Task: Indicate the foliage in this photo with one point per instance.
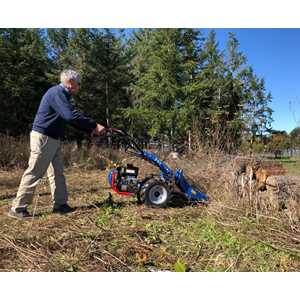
(185, 82)
(295, 138)
(257, 114)
(279, 141)
(101, 59)
(157, 84)
(23, 67)
(179, 266)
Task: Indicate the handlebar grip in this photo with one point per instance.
(115, 130)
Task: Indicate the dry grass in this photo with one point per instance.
(234, 233)
(14, 154)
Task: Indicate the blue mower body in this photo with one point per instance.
(157, 190)
(190, 192)
(167, 175)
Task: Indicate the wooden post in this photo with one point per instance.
(108, 123)
(189, 137)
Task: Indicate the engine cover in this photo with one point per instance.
(128, 170)
(124, 180)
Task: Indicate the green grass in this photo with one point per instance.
(292, 165)
(204, 245)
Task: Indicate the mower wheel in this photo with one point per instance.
(154, 193)
(177, 199)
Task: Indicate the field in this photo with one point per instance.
(115, 234)
(292, 165)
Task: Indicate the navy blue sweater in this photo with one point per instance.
(55, 111)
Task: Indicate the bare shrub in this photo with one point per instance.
(89, 156)
(240, 184)
(14, 152)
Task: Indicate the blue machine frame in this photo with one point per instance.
(167, 174)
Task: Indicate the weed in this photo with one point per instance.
(179, 266)
(106, 214)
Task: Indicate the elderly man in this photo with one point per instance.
(54, 112)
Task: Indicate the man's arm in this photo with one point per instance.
(66, 111)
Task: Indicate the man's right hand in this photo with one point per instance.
(99, 129)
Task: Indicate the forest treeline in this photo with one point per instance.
(172, 86)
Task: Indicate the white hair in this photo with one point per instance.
(67, 75)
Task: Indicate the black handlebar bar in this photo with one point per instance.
(128, 140)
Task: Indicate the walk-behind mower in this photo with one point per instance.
(157, 190)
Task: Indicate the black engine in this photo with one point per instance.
(126, 179)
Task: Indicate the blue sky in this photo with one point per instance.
(274, 55)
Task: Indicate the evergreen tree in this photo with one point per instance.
(192, 60)
(161, 83)
(210, 83)
(257, 114)
(233, 92)
(23, 66)
(101, 60)
(157, 86)
(164, 64)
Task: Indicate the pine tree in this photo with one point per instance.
(156, 87)
(24, 63)
(164, 65)
(210, 84)
(161, 83)
(257, 114)
(192, 59)
(100, 58)
(233, 94)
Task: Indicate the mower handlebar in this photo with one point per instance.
(127, 139)
(115, 130)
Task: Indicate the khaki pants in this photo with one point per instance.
(45, 155)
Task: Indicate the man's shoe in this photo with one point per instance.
(63, 209)
(21, 214)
